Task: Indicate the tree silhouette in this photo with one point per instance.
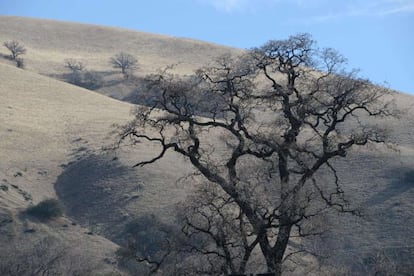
(277, 119)
(125, 62)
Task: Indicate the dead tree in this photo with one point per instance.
(288, 108)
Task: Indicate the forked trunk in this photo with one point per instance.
(274, 255)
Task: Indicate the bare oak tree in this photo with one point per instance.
(124, 61)
(16, 49)
(277, 120)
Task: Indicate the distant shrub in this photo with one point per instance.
(18, 174)
(46, 209)
(74, 65)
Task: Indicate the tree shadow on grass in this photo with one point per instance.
(95, 190)
(398, 186)
(88, 79)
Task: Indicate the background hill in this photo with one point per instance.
(52, 134)
(50, 42)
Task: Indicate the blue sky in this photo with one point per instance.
(376, 36)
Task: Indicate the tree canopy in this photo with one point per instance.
(263, 128)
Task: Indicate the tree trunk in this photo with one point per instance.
(274, 255)
(280, 246)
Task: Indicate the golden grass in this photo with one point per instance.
(45, 123)
(49, 43)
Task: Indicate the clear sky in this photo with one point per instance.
(376, 36)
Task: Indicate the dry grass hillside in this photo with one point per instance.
(52, 133)
(50, 43)
(40, 124)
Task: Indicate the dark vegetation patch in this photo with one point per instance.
(46, 209)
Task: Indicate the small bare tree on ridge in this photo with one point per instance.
(124, 61)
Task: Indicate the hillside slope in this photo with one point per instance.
(50, 42)
(52, 134)
(42, 121)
